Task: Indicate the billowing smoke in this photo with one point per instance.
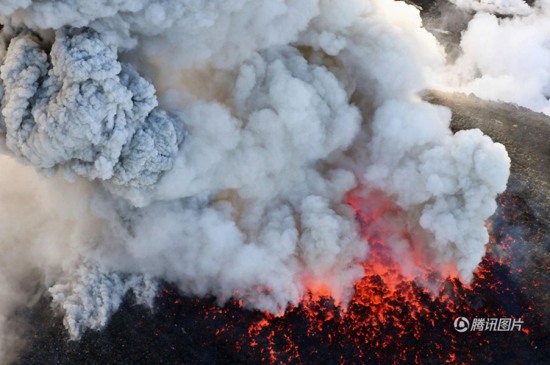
(234, 183)
(518, 72)
(79, 109)
(499, 7)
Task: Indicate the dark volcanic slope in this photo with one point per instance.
(524, 133)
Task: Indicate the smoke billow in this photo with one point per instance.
(234, 182)
(500, 7)
(517, 72)
(79, 109)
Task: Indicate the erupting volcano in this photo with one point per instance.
(282, 182)
(391, 318)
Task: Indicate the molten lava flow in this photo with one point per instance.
(393, 318)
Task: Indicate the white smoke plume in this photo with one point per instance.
(431, 185)
(270, 114)
(501, 7)
(518, 72)
(90, 296)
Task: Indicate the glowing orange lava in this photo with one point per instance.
(391, 319)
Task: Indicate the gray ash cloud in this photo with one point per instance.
(78, 108)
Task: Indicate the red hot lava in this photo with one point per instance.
(392, 319)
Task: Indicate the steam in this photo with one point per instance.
(233, 183)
